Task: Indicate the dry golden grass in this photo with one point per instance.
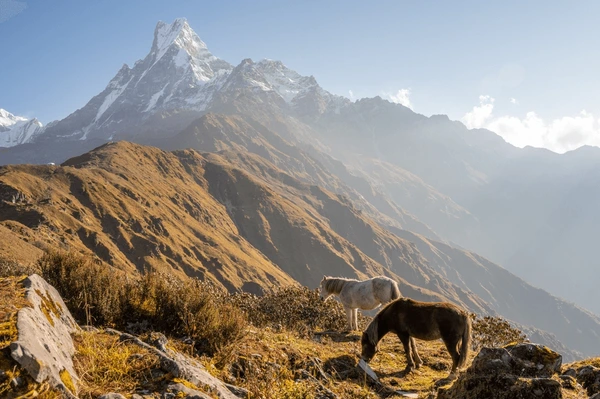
(289, 349)
(105, 364)
(594, 361)
(275, 365)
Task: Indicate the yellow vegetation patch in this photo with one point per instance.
(48, 306)
(12, 298)
(594, 361)
(67, 380)
(105, 364)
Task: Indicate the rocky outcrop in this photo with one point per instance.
(183, 367)
(522, 371)
(44, 347)
(588, 376)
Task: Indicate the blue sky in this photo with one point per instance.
(528, 71)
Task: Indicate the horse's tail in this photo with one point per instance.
(395, 291)
(466, 342)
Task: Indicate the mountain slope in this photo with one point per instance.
(235, 218)
(214, 132)
(117, 204)
(530, 210)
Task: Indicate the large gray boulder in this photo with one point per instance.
(44, 347)
(520, 371)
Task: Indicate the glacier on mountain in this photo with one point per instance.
(15, 130)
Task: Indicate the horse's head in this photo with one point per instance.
(323, 293)
(368, 349)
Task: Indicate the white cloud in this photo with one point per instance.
(513, 101)
(401, 97)
(351, 94)
(559, 135)
(480, 114)
(10, 8)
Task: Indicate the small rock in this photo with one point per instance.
(238, 391)
(568, 382)
(188, 392)
(570, 372)
(16, 382)
(112, 395)
(158, 340)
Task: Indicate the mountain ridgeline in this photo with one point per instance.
(254, 176)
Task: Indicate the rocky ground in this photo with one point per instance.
(45, 353)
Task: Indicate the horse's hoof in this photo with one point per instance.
(452, 376)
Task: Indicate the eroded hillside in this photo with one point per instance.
(237, 219)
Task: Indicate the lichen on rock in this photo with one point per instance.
(44, 347)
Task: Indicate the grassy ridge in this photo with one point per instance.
(285, 344)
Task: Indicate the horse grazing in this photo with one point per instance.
(354, 294)
(411, 319)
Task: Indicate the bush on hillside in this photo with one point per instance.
(95, 294)
(10, 267)
(491, 331)
(104, 296)
(294, 308)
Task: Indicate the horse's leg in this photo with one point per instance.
(349, 312)
(415, 353)
(355, 314)
(405, 339)
(451, 343)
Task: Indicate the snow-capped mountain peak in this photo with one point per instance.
(16, 130)
(7, 119)
(180, 76)
(186, 49)
(178, 33)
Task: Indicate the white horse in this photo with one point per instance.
(354, 294)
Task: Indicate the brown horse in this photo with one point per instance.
(424, 320)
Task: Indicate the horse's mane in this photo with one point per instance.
(372, 329)
(372, 332)
(335, 284)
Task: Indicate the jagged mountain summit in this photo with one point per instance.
(15, 130)
(177, 82)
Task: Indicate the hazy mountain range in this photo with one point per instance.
(289, 182)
